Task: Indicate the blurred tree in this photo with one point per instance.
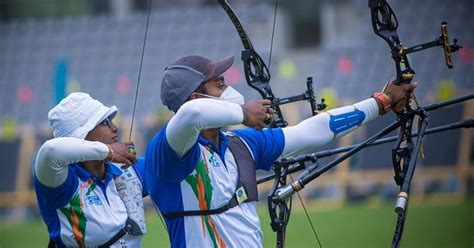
(8, 129)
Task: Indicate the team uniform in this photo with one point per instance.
(79, 209)
(186, 172)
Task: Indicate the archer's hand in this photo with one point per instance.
(119, 153)
(399, 95)
(255, 113)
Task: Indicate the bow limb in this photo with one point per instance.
(385, 24)
(256, 71)
(238, 25)
(257, 76)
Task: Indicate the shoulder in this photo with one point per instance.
(158, 145)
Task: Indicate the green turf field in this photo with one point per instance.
(427, 225)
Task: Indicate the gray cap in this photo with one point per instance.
(184, 76)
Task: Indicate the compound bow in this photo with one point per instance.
(405, 152)
(385, 24)
(257, 76)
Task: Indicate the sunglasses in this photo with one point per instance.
(107, 121)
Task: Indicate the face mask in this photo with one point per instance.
(229, 95)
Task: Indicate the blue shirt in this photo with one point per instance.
(86, 204)
(179, 183)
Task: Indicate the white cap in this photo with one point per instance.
(77, 114)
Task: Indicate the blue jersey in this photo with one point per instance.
(205, 178)
(84, 210)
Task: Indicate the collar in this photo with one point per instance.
(110, 172)
(224, 142)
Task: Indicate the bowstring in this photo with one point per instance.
(291, 178)
(273, 35)
(136, 94)
(307, 215)
(140, 69)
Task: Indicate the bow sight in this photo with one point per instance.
(258, 77)
(385, 24)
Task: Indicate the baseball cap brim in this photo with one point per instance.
(111, 112)
(95, 120)
(220, 67)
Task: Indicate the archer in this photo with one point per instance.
(203, 179)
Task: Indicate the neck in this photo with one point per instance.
(96, 168)
(211, 135)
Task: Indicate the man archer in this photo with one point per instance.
(203, 179)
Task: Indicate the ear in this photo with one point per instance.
(194, 95)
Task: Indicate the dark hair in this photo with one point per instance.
(200, 89)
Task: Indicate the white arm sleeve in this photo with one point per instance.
(54, 156)
(200, 114)
(316, 131)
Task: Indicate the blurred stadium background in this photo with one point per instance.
(49, 48)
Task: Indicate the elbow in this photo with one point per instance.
(48, 149)
(53, 148)
(45, 158)
(48, 152)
